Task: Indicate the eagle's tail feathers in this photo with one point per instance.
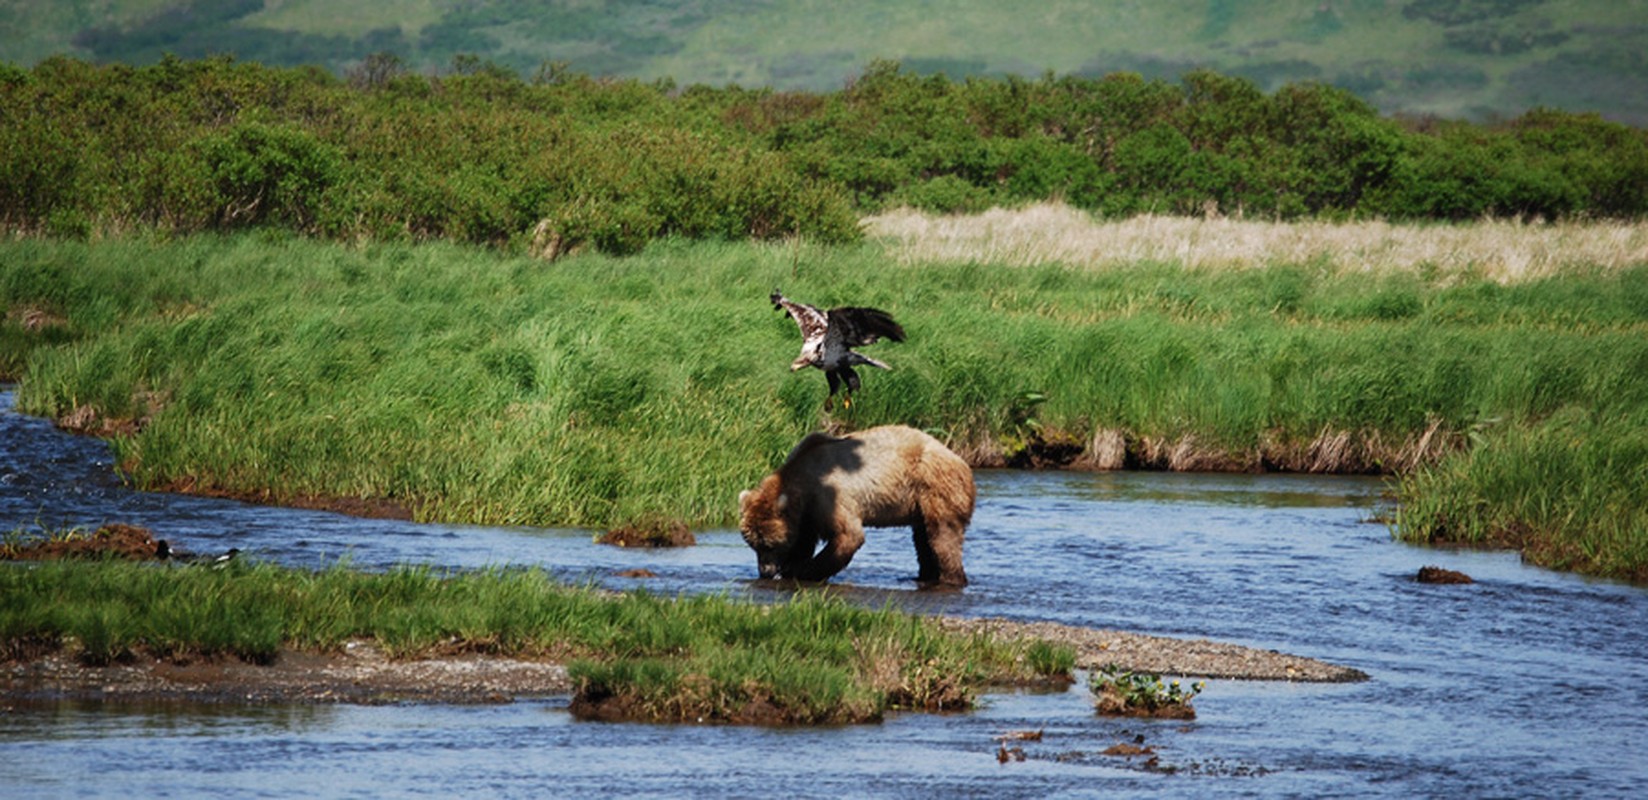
(854, 357)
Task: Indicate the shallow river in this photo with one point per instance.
(1526, 683)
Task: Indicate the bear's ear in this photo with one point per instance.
(779, 503)
(743, 497)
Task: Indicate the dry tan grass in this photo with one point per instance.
(1332, 450)
(1106, 450)
(1504, 250)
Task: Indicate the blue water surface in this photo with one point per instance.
(1524, 683)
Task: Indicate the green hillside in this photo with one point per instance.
(1476, 59)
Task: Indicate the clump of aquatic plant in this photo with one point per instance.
(1142, 694)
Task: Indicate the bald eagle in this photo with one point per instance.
(828, 339)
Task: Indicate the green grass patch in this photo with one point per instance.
(812, 659)
(1571, 492)
(474, 386)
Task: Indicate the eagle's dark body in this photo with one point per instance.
(828, 339)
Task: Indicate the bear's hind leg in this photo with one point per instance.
(945, 542)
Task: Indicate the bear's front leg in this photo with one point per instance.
(927, 567)
(838, 552)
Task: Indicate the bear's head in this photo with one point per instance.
(766, 528)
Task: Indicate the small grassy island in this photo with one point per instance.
(811, 660)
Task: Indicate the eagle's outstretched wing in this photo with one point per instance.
(858, 326)
(813, 324)
(810, 319)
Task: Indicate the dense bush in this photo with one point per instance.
(563, 161)
(477, 156)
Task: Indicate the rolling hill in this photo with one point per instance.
(1472, 59)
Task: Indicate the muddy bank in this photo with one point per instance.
(360, 673)
(1330, 452)
(365, 507)
(115, 540)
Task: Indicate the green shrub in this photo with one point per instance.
(945, 194)
(269, 173)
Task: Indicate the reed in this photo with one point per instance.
(812, 659)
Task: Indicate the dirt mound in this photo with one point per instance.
(115, 540)
(1433, 574)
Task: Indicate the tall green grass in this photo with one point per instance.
(812, 659)
(595, 391)
(1570, 491)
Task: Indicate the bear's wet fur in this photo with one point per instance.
(831, 488)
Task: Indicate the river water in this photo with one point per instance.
(1525, 683)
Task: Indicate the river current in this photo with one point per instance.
(1525, 683)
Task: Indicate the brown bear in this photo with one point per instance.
(831, 488)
